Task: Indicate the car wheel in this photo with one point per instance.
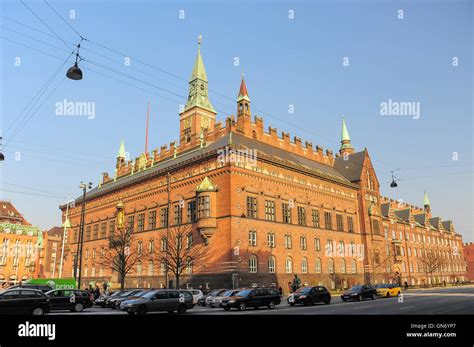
(373, 296)
(359, 298)
(78, 307)
(132, 313)
(344, 300)
(170, 311)
(398, 294)
(38, 311)
(182, 309)
(242, 306)
(141, 310)
(271, 305)
(388, 294)
(327, 302)
(227, 308)
(292, 304)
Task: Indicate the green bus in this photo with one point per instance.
(55, 283)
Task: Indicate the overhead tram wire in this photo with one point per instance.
(30, 188)
(65, 21)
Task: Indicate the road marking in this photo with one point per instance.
(356, 308)
(405, 308)
(443, 300)
(440, 294)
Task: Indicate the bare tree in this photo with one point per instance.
(123, 254)
(179, 251)
(380, 261)
(431, 262)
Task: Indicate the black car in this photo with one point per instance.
(69, 299)
(100, 301)
(256, 298)
(24, 301)
(136, 295)
(359, 292)
(310, 296)
(110, 302)
(160, 300)
(43, 287)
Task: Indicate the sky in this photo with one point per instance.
(306, 65)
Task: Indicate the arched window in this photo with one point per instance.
(404, 267)
(150, 268)
(343, 266)
(93, 271)
(318, 265)
(304, 265)
(162, 268)
(86, 272)
(354, 266)
(341, 249)
(139, 268)
(271, 264)
(189, 268)
(288, 265)
(253, 264)
(330, 265)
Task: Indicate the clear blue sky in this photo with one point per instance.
(297, 62)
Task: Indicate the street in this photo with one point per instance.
(451, 300)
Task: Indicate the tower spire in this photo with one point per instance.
(243, 104)
(346, 146)
(243, 94)
(121, 151)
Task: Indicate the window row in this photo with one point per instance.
(271, 265)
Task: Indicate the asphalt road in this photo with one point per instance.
(456, 300)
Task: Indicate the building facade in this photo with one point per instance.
(266, 206)
(469, 254)
(21, 248)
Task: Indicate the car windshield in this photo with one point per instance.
(356, 288)
(126, 293)
(149, 295)
(228, 293)
(245, 292)
(136, 295)
(382, 286)
(304, 290)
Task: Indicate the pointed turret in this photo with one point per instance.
(426, 203)
(121, 155)
(346, 146)
(198, 90)
(243, 100)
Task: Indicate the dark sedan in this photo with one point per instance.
(110, 302)
(310, 296)
(255, 298)
(24, 301)
(137, 295)
(359, 292)
(160, 300)
(74, 300)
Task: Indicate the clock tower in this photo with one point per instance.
(198, 114)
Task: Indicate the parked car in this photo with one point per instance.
(310, 296)
(103, 298)
(216, 301)
(209, 300)
(24, 301)
(69, 299)
(43, 287)
(137, 295)
(160, 300)
(197, 295)
(110, 302)
(256, 298)
(388, 290)
(359, 292)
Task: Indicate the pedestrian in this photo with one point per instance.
(406, 285)
(104, 286)
(280, 290)
(96, 292)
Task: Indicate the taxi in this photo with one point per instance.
(388, 290)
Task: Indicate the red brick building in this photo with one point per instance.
(267, 206)
(469, 254)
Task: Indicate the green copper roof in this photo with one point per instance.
(198, 89)
(121, 152)
(426, 201)
(345, 135)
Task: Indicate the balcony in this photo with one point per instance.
(207, 226)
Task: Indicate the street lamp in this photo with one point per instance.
(77, 275)
(2, 157)
(74, 72)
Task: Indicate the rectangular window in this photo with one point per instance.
(178, 214)
(288, 241)
(315, 218)
(350, 224)
(189, 242)
(131, 223)
(88, 232)
(95, 234)
(252, 238)
(303, 245)
(75, 235)
(286, 213)
(270, 210)
(192, 212)
(375, 225)
(251, 207)
(204, 206)
(111, 227)
(271, 240)
(164, 217)
(301, 215)
(329, 246)
(103, 230)
(141, 222)
(339, 225)
(327, 220)
(152, 220)
(253, 264)
(317, 244)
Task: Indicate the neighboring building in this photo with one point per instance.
(52, 255)
(21, 246)
(469, 254)
(267, 206)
